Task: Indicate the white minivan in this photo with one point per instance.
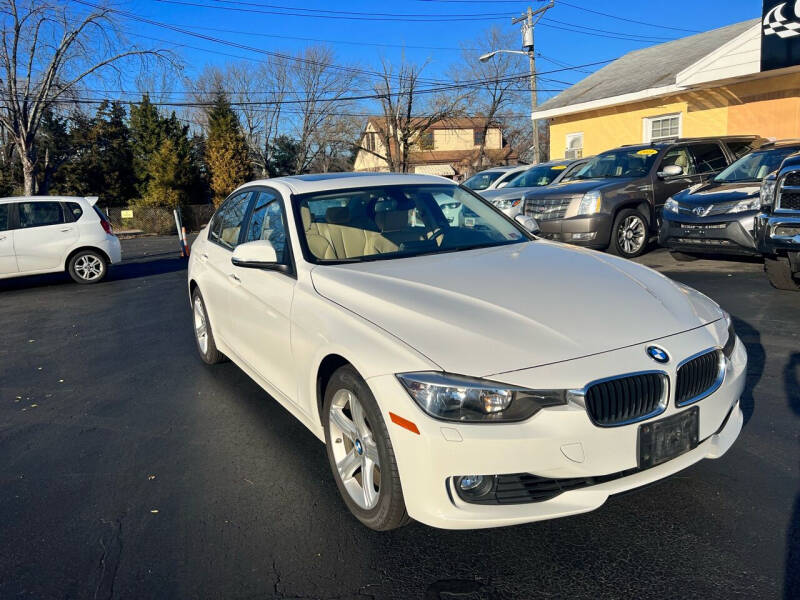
(50, 234)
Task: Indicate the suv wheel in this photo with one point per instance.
(87, 266)
(360, 452)
(780, 274)
(629, 234)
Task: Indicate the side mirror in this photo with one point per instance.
(528, 223)
(257, 255)
(671, 171)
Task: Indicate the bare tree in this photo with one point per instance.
(495, 85)
(47, 54)
(406, 113)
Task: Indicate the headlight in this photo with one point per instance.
(745, 205)
(590, 203)
(671, 205)
(458, 398)
(730, 343)
(767, 192)
(504, 204)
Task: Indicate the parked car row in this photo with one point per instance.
(699, 196)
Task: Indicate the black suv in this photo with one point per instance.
(615, 201)
(777, 227)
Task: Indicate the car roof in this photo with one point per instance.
(322, 182)
(46, 198)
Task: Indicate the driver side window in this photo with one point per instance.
(679, 156)
(269, 223)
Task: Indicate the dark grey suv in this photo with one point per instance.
(615, 201)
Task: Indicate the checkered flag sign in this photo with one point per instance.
(776, 24)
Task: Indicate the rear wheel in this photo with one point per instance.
(203, 335)
(87, 266)
(779, 272)
(360, 452)
(684, 257)
(629, 234)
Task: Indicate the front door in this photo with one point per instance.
(665, 187)
(8, 261)
(43, 236)
(260, 301)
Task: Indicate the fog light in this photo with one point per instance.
(584, 237)
(470, 482)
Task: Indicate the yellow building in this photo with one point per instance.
(709, 84)
(449, 147)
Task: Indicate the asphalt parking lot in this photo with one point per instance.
(129, 469)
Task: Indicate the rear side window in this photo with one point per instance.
(708, 158)
(4, 216)
(739, 149)
(228, 221)
(40, 214)
(75, 210)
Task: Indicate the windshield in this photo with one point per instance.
(398, 221)
(481, 181)
(635, 162)
(536, 176)
(756, 165)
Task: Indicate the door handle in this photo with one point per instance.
(66, 229)
(204, 257)
(235, 279)
(2, 238)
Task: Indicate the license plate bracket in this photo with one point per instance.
(668, 438)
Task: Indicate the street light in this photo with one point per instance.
(490, 55)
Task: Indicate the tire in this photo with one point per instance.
(359, 439)
(629, 219)
(87, 267)
(780, 273)
(203, 336)
(684, 257)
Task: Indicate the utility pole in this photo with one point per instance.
(528, 23)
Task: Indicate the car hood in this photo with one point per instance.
(490, 311)
(716, 193)
(582, 186)
(507, 193)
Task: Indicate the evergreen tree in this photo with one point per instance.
(147, 133)
(167, 173)
(283, 154)
(227, 154)
(54, 150)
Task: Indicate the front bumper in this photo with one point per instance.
(777, 233)
(592, 231)
(558, 442)
(724, 234)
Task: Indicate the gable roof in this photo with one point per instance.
(649, 68)
(377, 122)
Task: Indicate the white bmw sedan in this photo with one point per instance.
(461, 371)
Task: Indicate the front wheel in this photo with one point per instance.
(360, 452)
(203, 336)
(780, 275)
(629, 234)
(87, 266)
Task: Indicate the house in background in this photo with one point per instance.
(450, 148)
(729, 81)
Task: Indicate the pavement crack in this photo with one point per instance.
(109, 560)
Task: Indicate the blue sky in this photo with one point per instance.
(361, 41)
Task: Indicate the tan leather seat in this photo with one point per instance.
(338, 239)
(230, 235)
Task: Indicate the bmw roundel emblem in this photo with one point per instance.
(657, 354)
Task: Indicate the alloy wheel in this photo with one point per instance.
(631, 235)
(89, 267)
(200, 327)
(355, 451)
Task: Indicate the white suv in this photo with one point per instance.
(49, 234)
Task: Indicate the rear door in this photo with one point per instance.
(8, 261)
(664, 186)
(223, 236)
(43, 236)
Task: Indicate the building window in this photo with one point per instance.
(667, 127)
(574, 146)
(478, 137)
(369, 141)
(426, 141)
